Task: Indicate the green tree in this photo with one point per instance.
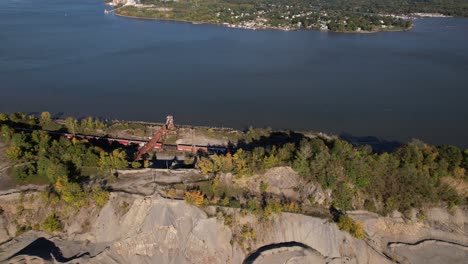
(271, 161)
(3, 117)
(45, 119)
(31, 120)
(87, 124)
(343, 196)
(286, 153)
(113, 161)
(13, 153)
(301, 161)
(7, 133)
(71, 124)
(465, 159)
(205, 165)
(222, 163)
(17, 117)
(40, 141)
(20, 173)
(51, 169)
(452, 155)
(240, 163)
(21, 140)
(72, 193)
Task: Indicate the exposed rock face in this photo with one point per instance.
(158, 230)
(430, 251)
(441, 237)
(320, 235)
(282, 181)
(161, 231)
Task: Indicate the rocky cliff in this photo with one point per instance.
(138, 229)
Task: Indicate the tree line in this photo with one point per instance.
(411, 176)
(64, 164)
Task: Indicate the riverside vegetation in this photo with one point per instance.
(334, 15)
(415, 175)
(66, 165)
(411, 176)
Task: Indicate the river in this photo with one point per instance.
(67, 56)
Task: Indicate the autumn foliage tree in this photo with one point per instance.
(355, 228)
(194, 198)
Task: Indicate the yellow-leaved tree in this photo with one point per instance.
(205, 165)
(194, 198)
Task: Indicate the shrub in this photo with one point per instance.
(312, 200)
(51, 223)
(194, 198)
(172, 192)
(20, 174)
(99, 196)
(370, 206)
(263, 187)
(272, 207)
(224, 201)
(136, 165)
(234, 203)
(422, 217)
(253, 206)
(347, 224)
(228, 220)
(124, 207)
(452, 206)
(22, 229)
(292, 207)
(248, 232)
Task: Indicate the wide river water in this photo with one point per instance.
(68, 56)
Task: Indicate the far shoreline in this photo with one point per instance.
(259, 28)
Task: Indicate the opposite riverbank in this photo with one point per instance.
(117, 13)
(267, 17)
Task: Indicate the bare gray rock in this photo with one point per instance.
(157, 230)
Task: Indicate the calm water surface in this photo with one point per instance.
(67, 56)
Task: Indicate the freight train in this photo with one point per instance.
(128, 142)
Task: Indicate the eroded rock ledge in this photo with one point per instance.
(159, 230)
